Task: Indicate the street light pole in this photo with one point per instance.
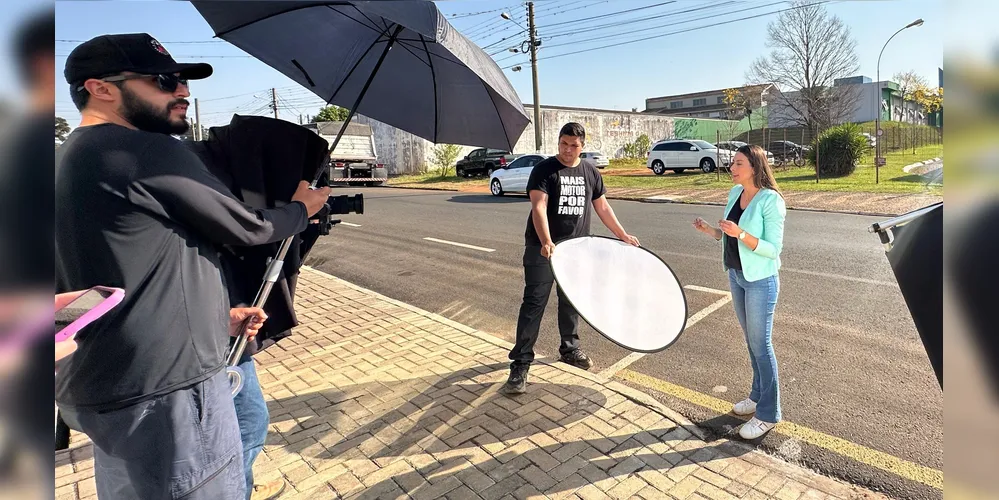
(877, 115)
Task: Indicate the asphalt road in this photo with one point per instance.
(850, 360)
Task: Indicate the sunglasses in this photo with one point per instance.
(167, 82)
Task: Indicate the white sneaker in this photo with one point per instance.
(755, 429)
(745, 407)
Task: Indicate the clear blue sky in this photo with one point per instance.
(613, 78)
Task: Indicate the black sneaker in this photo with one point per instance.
(577, 358)
(517, 383)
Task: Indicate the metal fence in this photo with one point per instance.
(900, 144)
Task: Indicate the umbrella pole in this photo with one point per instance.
(277, 263)
(364, 90)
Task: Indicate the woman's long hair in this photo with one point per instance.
(763, 174)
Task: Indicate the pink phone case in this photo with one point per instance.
(117, 294)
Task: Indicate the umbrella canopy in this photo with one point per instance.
(433, 82)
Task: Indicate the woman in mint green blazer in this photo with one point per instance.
(752, 234)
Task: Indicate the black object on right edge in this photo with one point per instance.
(914, 246)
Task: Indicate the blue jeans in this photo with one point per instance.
(251, 412)
(754, 303)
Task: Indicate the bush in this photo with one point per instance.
(637, 149)
(444, 157)
(838, 150)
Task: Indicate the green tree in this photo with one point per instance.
(331, 114)
(61, 128)
(444, 157)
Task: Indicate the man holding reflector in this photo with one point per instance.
(562, 189)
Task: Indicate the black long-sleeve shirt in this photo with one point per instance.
(139, 211)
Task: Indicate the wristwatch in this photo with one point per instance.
(742, 235)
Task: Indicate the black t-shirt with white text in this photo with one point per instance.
(571, 192)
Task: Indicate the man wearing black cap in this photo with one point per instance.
(135, 209)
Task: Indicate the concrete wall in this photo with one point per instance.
(607, 131)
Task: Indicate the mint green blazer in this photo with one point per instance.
(763, 218)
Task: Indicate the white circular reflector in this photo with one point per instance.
(627, 293)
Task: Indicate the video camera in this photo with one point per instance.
(335, 205)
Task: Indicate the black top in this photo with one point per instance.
(732, 259)
(139, 211)
(571, 193)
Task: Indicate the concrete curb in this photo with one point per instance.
(623, 390)
(716, 204)
(909, 168)
(682, 199)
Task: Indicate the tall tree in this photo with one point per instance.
(331, 114)
(908, 82)
(809, 50)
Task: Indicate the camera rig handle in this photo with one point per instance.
(270, 279)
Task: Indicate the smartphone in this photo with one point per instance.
(86, 308)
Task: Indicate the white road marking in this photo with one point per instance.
(628, 360)
(462, 245)
(706, 289)
(349, 224)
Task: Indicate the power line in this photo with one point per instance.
(473, 14)
(565, 7)
(632, 32)
(211, 99)
(584, 19)
(501, 40)
(492, 31)
(478, 25)
(282, 101)
(575, 52)
(602, 16)
(549, 36)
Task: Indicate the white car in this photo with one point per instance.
(679, 155)
(513, 177)
(597, 157)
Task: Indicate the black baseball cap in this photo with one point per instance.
(108, 55)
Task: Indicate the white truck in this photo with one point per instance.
(354, 161)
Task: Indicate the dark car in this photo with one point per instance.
(483, 161)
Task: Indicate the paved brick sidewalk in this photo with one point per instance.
(373, 398)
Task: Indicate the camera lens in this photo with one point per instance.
(345, 204)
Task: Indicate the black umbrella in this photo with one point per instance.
(398, 62)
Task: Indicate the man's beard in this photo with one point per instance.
(145, 117)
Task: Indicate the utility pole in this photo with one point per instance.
(534, 73)
(197, 121)
(299, 119)
(274, 101)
